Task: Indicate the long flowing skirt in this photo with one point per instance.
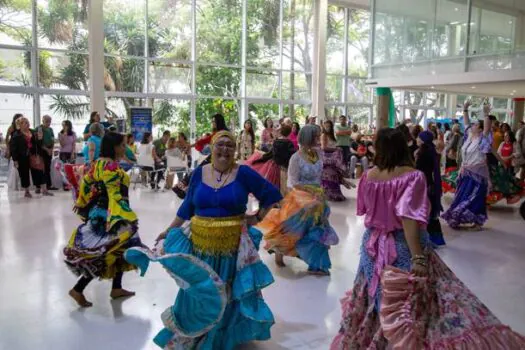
(269, 170)
(504, 185)
(469, 205)
(93, 251)
(333, 174)
(300, 228)
(220, 304)
(407, 313)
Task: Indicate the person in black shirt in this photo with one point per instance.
(427, 161)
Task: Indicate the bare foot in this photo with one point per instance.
(80, 298)
(28, 195)
(121, 293)
(279, 260)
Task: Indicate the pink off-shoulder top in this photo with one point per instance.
(385, 202)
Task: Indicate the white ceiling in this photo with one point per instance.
(509, 89)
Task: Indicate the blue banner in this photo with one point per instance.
(141, 121)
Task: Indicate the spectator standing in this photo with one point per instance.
(67, 139)
(46, 151)
(268, 135)
(92, 148)
(25, 150)
(343, 132)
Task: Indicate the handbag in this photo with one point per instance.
(36, 162)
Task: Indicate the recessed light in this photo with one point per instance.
(432, 87)
(473, 87)
(510, 22)
(512, 94)
(456, 9)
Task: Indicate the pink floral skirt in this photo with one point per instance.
(438, 312)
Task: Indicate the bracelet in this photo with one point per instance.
(420, 263)
(419, 257)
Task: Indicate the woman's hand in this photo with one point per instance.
(467, 104)
(419, 269)
(162, 236)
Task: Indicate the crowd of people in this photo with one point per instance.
(404, 295)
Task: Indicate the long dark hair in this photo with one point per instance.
(183, 136)
(329, 133)
(109, 142)
(250, 131)
(15, 118)
(267, 121)
(391, 150)
(220, 123)
(297, 126)
(69, 126)
(406, 133)
(145, 138)
(92, 117)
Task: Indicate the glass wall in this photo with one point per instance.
(409, 34)
(347, 65)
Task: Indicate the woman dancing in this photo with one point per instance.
(334, 169)
(96, 247)
(404, 296)
(273, 165)
(468, 208)
(215, 260)
(300, 228)
(427, 161)
(202, 145)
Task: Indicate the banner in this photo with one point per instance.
(121, 125)
(141, 121)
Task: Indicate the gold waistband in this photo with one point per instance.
(216, 236)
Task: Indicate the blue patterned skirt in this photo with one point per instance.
(468, 207)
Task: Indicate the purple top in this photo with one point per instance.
(67, 142)
(384, 203)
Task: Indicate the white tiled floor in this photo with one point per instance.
(36, 313)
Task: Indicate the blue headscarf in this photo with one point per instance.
(428, 139)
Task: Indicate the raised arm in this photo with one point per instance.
(466, 117)
(487, 124)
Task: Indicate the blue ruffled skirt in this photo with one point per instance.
(469, 206)
(222, 309)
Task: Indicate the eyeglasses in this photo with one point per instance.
(227, 146)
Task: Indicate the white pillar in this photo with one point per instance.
(96, 55)
(319, 59)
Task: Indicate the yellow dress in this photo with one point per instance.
(109, 227)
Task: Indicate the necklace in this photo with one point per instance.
(311, 155)
(221, 183)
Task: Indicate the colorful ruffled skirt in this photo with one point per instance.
(504, 186)
(269, 169)
(468, 207)
(220, 275)
(406, 312)
(300, 228)
(92, 251)
(333, 174)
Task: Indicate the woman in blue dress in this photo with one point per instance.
(214, 259)
(91, 150)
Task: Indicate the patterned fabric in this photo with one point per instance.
(74, 174)
(217, 311)
(300, 228)
(504, 185)
(440, 313)
(333, 174)
(302, 172)
(468, 207)
(97, 246)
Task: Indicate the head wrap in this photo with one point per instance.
(223, 133)
(217, 136)
(427, 137)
